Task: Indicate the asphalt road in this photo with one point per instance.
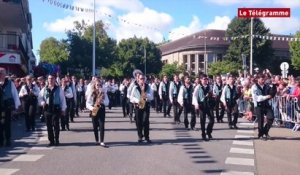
(175, 150)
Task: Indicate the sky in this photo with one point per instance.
(156, 19)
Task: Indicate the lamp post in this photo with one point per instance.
(251, 45)
(94, 42)
(145, 56)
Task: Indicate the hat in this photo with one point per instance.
(136, 71)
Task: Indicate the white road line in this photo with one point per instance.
(246, 131)
(247, 124)
(7, 171)
(247, 143)
(41, 148)
(241, 151)
(243, 136)
(237, 173)
(239, 161)
(27, 158)
(43, 138)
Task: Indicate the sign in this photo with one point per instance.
(284, 73)
(264, 12)
(10, 58)
(284, 66)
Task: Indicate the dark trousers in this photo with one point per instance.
(189, 108)
(219, 112)
(79, 102)
(30, 112)
(99, 122)
(131, 110)
(166, 106)
(204, 113)
(125, 106)
(260, 113)
(5, 128)
(157, 102)
(52, 122)
(232, 111)
(70, 111)
(111, 97)
(142, 121)
(177, 110)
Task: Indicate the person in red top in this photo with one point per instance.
(296, 92)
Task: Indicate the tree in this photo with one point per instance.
(262, 50)
(131, 55)
(53, 51)
(295, 52)
(223, 67)
(171, 69)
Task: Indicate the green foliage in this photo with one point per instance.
(223, 67)
(131, 55)
(171, 69)
(112, 71)
(53, 51)
(295, 52)
(262, 50)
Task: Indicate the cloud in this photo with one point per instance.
(291, 25)
(182, 31)
(233, 2)
(220, 23)
(288, 3)
(153, 23)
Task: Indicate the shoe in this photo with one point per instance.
(97, 143)
(231, 127)
(262, 138)
(140, 140)
(148, 141)
(56, 143)
(268, 137)
(235, 127)
(68, 128)
(209, 136)
(103, 145)
(63, 129)
(51, 144)
(204, 137)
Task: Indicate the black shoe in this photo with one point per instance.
(140, 140)
(268, 137)
(209, 136)
(56, 143)
(260, 137)
(231, 127)
(204, 137)
(63, 129)
(148, 141)
(97, 143)
(235, 127)
(51, 144)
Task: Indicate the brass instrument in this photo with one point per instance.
(142, 102)
(97, 105)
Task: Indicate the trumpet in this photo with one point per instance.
(97, 105)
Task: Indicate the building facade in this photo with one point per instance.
(16, 38)
(200, 49)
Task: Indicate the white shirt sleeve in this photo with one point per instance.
(15, 95)
(106, 99)
(41, 100)
(171, 92)
(160, 90)
(23, 91)
(133, 96)
(222, 98)
(195, 96)
(63, 104)
(180, 96)
(89, 102)
(257, 98)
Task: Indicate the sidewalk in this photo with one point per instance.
(278, 156)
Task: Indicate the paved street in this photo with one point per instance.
(174, 150)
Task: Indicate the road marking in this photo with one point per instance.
(27, 158)
(239, 161)
(246, 131)
(241, 151)
(41, 148)
(237, 173)
(43, 138)
(247, 143)
(7, 171)
(243, 136)
(247, 124)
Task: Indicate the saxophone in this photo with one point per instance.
(142, 102)
(97, 105)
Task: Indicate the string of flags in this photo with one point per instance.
(63, 5)
(269, 37)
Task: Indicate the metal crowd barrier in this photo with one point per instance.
(286, 111)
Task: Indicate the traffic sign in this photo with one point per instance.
(284, 66)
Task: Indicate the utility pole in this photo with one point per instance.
(145, 56)
(94, 42)
(251, 47)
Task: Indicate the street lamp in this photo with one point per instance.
(94, 42)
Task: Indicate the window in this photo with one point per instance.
(12, 40)
(201, 58)
(193, 58)
(184, 59)
(219, 57)
(201, 65)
